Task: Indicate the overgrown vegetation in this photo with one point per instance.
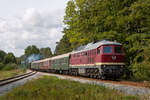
(8, 61)
(10, 73)
(126, 21)
(52, 88)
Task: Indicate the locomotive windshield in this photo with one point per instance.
(118, 49)
(107, 49)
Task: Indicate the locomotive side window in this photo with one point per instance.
(88, 53)
(94, 52)
(118, 50)
(78, 55)
(84, 53)
(99, 51)
(107, 49)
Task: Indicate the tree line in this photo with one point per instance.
(126, 21)
(41, 53)
(8, 61)
(46, 52)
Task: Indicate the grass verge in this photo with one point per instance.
(7, 74)
(52, 88)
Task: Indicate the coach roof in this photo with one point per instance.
(61, 56)
(43, 60)
(92, 45)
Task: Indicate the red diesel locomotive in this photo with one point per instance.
(103, 59)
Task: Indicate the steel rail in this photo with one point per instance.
(15, 78)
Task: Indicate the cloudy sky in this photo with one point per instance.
(30, 22)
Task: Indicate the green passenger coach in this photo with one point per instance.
(35, 65)
(60, 63)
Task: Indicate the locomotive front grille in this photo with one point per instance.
(113, 70)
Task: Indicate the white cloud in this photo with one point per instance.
(32, 28)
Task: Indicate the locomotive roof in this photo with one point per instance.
(60, 56)
(92, 45)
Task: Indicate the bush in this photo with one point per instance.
(140, 65)
(10, 66)
(1, 66)
(141, 73)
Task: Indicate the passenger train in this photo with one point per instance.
(103, 60)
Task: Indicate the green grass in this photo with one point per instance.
(10, 73)
(52, 88)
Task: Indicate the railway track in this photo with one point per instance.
(16, 78)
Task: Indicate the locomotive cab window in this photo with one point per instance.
(118, 49)
(107, 49)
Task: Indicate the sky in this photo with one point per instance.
(30, 22)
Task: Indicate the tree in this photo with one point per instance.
(46, 52)
(90, 20)
(18, 60)
(31, 50)
(2, 55)
(63, 46)
(9, 58)
(127, 21)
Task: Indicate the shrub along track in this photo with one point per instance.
(16, 78)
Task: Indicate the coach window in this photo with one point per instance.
(64, 60)
(88, 53)
(91, 52)
(85, 53)
(82, 54)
